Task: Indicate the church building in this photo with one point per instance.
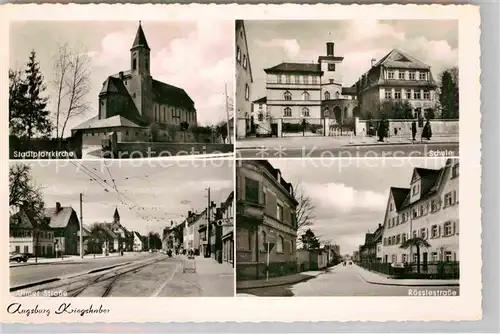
(132, 103)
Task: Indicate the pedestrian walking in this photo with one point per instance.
(381, 131)
(427, 131)
(413, 130)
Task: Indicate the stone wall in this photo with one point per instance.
(438, 126)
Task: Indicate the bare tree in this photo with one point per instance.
(72, 68)
(304, 211)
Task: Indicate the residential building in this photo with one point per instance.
(265, 212)
(224, 230)
(65, 224)
(244, 81)
(26, 235)
(195, 237)
(132, 104)
(368, 251)
(138, 242)
(260, 118)
(428, 209)
(355, 257)
(397, 77)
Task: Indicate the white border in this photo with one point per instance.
(465, 307)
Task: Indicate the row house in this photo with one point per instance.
(369, 251)
(224, 222)
(244, 81)
(27, 235)
(265, 209)
(398, 76)
(427, 209)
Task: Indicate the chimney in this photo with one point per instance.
(120, 75)
(171, 223)
(330, 49)
(190, 213)
(379, 225)
(373, 61)
(58, 207)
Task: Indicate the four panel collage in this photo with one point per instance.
(244, 158)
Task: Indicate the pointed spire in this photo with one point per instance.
(116, 214)
(140, 38)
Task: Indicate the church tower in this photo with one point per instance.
(141, 86)
(116, 217)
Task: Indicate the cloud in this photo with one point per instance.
(337, 197)
(291, 47)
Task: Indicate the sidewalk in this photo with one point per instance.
(337, 141)
(381, 279)
(208, 266)
(281, 280)
(69, 258)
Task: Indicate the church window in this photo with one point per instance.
(133, 95)
(134, 64)
(238, 53)
(102, 102)
(244, 61)
(247, 92)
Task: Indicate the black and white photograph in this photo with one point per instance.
(117, 229)
(126, 89)
(347, 88)
(347, 227)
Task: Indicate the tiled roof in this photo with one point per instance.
(113, 85)
(171, 95)
(399, 59)
(140, 38)
(431, 180)
(114, 121)
(20, 220)
(295, 67)
(59, 219)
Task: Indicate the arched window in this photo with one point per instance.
(244, 61)
(305, 96)
(327, 95)
(337, 95)
(305, 112)
(287, 112)
(287, 96)
(279, 246)
(247, 92)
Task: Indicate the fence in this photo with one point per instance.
(302, 127)
(433, 270)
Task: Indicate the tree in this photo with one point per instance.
(27, 110)
(72, 82)
(154, 240)
(23, 194)
(309, 240)
(304, 211)
(97, 236)
(416, 242)
(449, 94)
(221, 130)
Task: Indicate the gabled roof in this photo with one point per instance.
(59, 219)
(140, 39)
(114, 121)
(399, 195)
(171, 95)
(113, 85)
(261, 100)
(294, 68)
(137, 234)
(20, 220)
(399, 59)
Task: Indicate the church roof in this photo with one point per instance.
(140, 39)
(116, 214)
(113, 85)
(171, 95)
(114, 121)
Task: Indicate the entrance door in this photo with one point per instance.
(424, 261)
(274, 129)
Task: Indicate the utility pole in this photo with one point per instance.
(227, 113)
(209, 208)
(81, 226)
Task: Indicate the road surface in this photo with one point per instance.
(367, 151)
(25, 274)
(154, 276)
(340, 281)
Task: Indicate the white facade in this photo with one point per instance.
(434, 218)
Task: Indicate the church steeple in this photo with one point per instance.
(116, 216)
(139, 53)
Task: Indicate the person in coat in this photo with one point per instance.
(413, 130)
(427, 131)
(381, 131)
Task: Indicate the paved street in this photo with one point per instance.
(365, 151)
(153, 276)
(339, 281)
(25, 274)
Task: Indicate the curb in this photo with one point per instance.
(281, 284)
(403, 143)
(407, 285)
(29, 285)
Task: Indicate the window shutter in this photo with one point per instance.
(439, 231)
(455, 197)
(454, 227)
(426, 233)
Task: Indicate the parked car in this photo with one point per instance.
(18, 257)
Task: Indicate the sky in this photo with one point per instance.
(350, 196)
(434, 42)
(150, 193)
(194, 55)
